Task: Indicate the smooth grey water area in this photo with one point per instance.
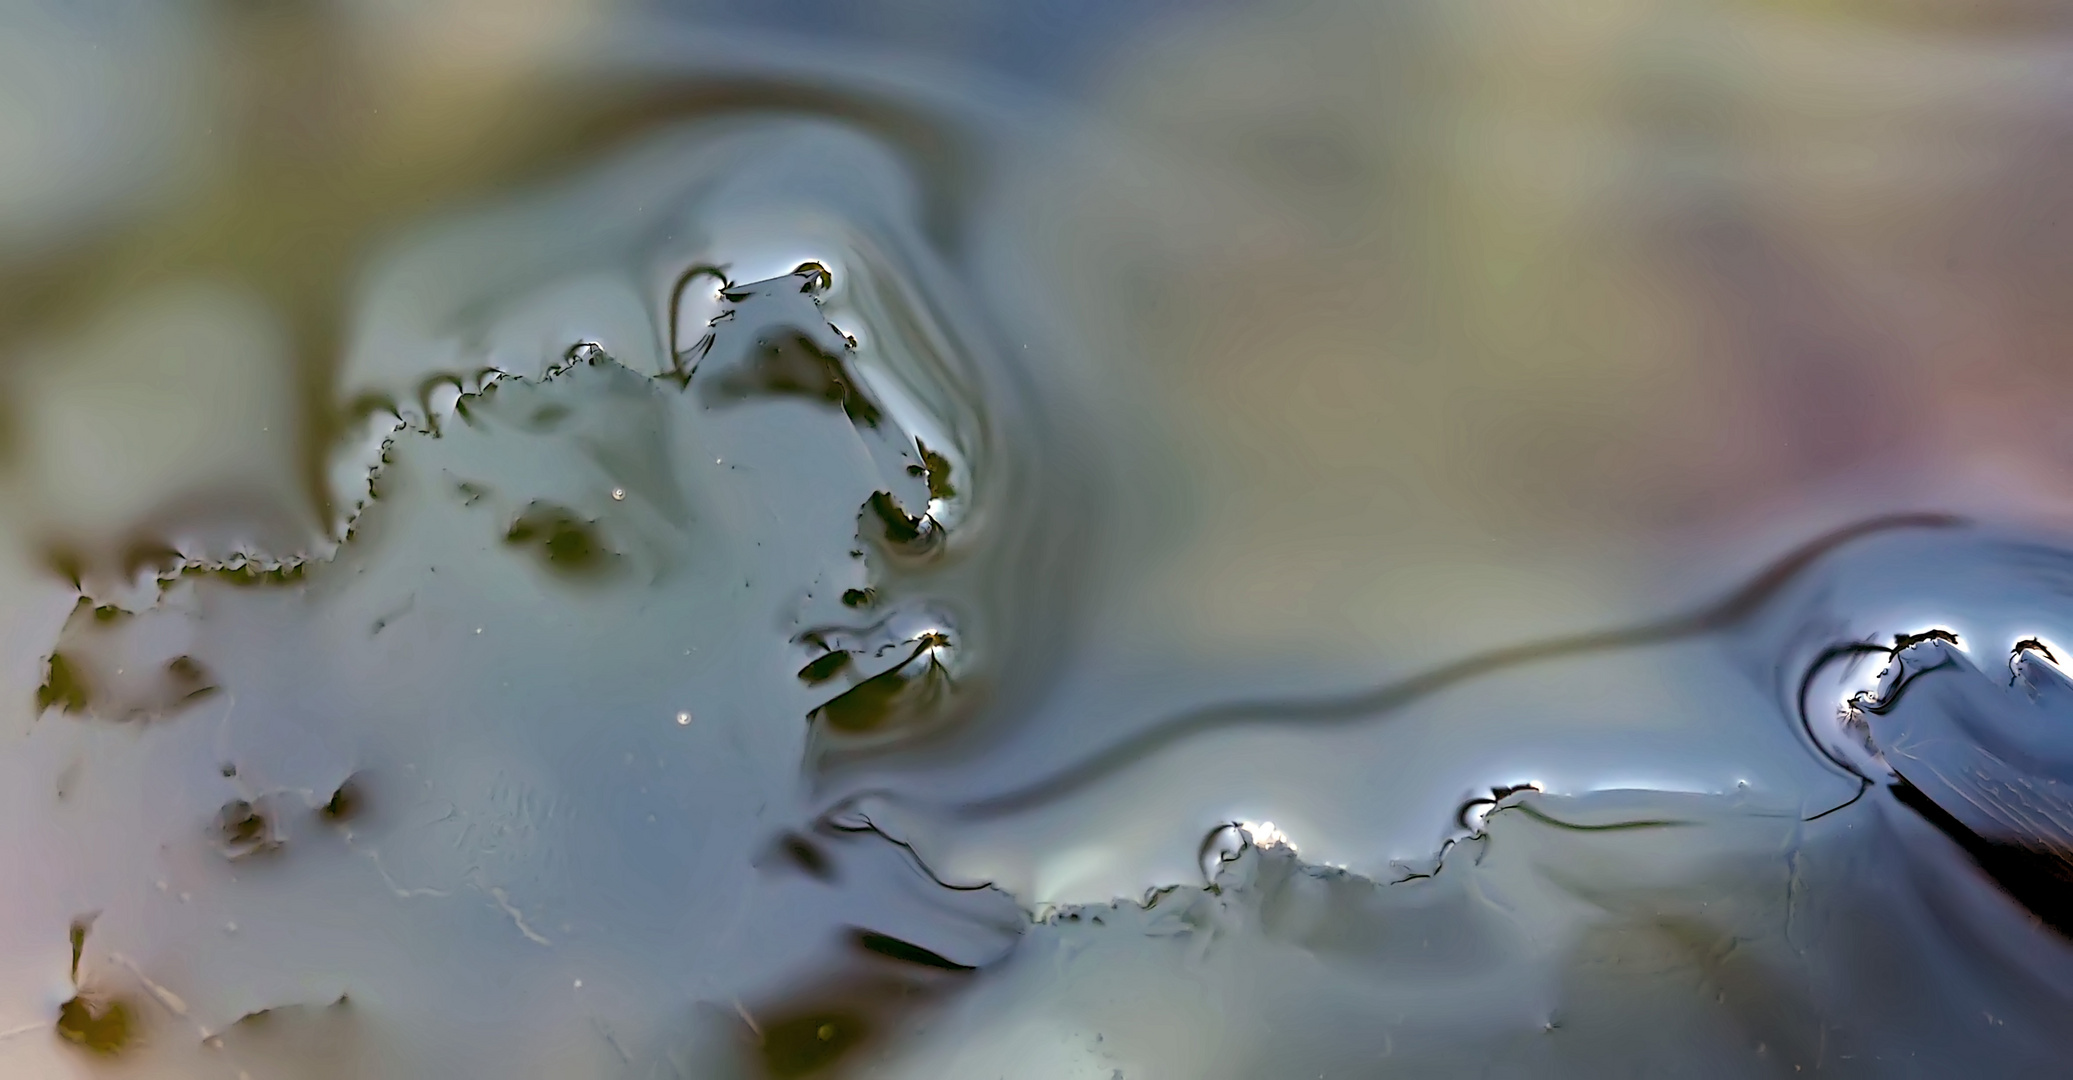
(1052, 541)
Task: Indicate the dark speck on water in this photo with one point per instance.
(568, 544)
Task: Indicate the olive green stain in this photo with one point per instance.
(804, 1045)
(938, 469)
(64, 687)
(567, 544)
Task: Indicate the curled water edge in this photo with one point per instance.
(723, 695)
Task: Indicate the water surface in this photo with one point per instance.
(862, 541)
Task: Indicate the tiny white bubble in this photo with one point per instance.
(618, 494)
(478, 629)
(579, 984)
(683, 718)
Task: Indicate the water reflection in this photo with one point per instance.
(1325, 541)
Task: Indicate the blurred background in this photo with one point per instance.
(1455, 314)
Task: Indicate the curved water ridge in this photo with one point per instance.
(1596, 915)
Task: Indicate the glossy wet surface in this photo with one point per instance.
(1140, 543)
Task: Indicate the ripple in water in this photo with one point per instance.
(699, 689)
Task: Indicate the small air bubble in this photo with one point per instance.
(683, 718)
(618, 494)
